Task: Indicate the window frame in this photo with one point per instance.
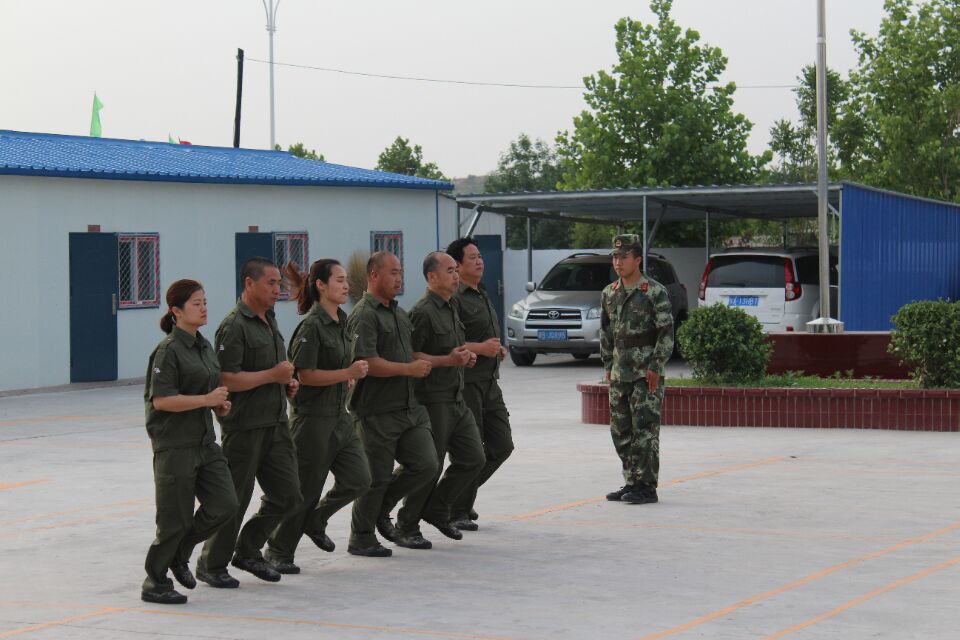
(287, 237)
(137, 300)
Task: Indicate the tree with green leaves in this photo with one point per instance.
(660, 117)
(301, 151)
(901, 127)
(530, 165)
(400, 157)
(795, 144)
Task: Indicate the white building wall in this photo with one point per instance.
(196, 223)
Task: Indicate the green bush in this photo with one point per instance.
(926, 337)
(724, 345)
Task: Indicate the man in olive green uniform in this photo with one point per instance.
(256, 437)
(636, 340)
(392, 424)
(188, 464)
(438, 337)
(325, 436)
(481, 390)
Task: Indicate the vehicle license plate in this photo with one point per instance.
(549, 335)
(743, 301)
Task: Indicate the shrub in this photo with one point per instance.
(724, 345)
(926, 337)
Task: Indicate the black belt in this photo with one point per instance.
(648, 339)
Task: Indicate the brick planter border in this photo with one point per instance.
(894, 409)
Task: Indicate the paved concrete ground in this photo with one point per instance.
(760, 533)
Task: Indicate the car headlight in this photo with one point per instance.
(594, 313)
(517, 311)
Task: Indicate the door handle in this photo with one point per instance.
(113, 304)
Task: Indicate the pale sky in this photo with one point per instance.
(169, 66)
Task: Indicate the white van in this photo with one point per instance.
(781, 288)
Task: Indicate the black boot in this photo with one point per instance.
(641, 494)
(615, 496)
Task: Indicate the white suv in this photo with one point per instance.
(781, 288)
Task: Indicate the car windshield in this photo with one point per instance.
(747, 271)
(578, 276)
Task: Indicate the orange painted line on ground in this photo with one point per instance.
(57, 514)
(16, 485)
(73, 523)
(321, 623)
(766, 595)
(696, 476)
(867, 596)
(43, 419)
(57, 623)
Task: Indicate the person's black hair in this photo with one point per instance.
(376, 261)
(431, 262)
(456, 248)
(178, 294)
(303, 286)
(253, 268)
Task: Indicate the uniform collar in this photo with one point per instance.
(464, 287)
(324, 317)
(372, 299)
(437, 300)
(247, 311)
(184, 337)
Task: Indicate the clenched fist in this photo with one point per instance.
(283, 372)
(216, 397)
(419, 369)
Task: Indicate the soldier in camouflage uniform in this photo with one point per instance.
(636, 340)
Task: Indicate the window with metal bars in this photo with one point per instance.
(391, 241)
(289, 246)
(139, 268)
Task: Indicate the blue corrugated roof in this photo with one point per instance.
(46, 154)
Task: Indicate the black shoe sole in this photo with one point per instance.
(266, 576)
(217, 584)
(467, 526)
(324, 543)
(187, 581)
(380, 552)
(170, 597)
(640, 500)
(426, 545)
(450, 531)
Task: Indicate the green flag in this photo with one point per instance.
(171, 140)
(95, 130)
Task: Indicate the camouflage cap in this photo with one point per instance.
(624, 243)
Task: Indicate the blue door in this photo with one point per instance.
(491, 248)
(93, 307)
(251, 245)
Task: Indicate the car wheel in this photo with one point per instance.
(581, 356)
(522, 358)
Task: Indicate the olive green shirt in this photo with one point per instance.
(180, 365)
(320, 342)
(437, 330)
(247, 343)
(481, 324)
(380, 331)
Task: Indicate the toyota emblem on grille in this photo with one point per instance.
(553, 314)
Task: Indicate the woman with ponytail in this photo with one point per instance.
(320, 350)
(182, 387)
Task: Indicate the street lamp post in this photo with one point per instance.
(271, 11)
(823, 324)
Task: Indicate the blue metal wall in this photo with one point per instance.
(894, 249)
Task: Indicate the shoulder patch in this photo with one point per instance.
(156, 369)
(221, 347)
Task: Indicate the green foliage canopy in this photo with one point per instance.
(400, 157)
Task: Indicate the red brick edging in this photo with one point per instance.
(896, 409)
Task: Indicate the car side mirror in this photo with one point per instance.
(531, 287)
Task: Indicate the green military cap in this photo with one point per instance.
(624, 243)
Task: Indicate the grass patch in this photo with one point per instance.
(796, 380)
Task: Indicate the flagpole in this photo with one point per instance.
(271, 12)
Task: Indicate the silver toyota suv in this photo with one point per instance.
(562, 313)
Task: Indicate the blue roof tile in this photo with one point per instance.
(45, 154)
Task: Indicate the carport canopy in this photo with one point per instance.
(664, 204)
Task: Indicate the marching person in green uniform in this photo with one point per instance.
(183, 378)
(256, 437)
(438, 338)
(392, 424)
(636, 340)
(481, 390)
(323, 431)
